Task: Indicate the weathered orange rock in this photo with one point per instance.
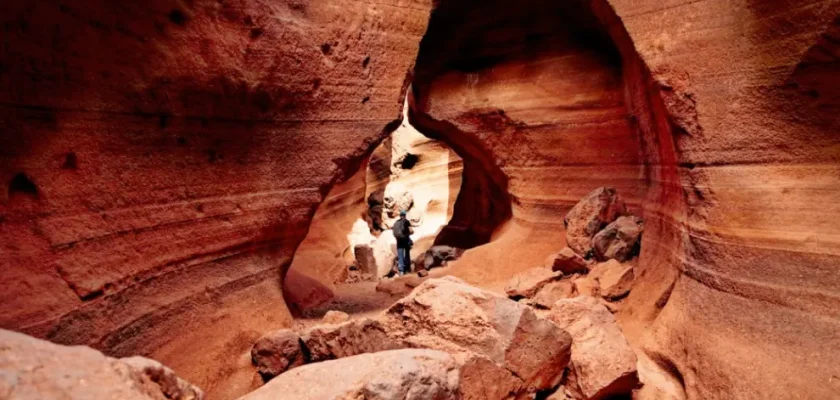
(554, 291)
(603, 363)
(37, 369)
(277, 352)
(335, 317)
(616, 281)
(590, 215)
(567, 261)
(398, 374)
(450, 315)
(328, 342)
(528, 283)
(619, 240)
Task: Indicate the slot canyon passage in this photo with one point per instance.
(182, 177)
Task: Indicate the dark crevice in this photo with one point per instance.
(22, 184)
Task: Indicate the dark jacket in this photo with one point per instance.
(402, 232)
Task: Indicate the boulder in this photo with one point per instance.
(603, 363)
(277, 352)
(620, 240)
(616, 281)
(554, 291)
(567, 262)
(592, 213)
(438, 256)
(586, 286)
(335, 317)
(408, 374)
(450, 315)
(171, 386)
(526, 284)
(36, 369)
(482, 379)
(328, 342)
(365, 259)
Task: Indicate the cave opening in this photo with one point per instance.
(350, 238)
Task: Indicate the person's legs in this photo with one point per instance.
(401, 260)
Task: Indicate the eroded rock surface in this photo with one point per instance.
(567, 261)
(590, 215)
(449, 314)
(398, 374)
(528, 283)
(619, 240)
(277, 352)
(37, 369)
(602, 361)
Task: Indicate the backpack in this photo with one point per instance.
(400, 229)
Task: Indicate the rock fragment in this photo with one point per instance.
(335, 317)
(31, 368)
(328, 342)
(619, 240)
(408, 374)
(616, 281)
(603, 363)
(450, 315)
(597, 209)
(554, 291)
(276, 353)
(527, 283)
(567, 261)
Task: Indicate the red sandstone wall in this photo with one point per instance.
(178, 151)
(747, 86)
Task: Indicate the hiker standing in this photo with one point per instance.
(402, 231)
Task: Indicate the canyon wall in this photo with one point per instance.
(161, 160)
(714, 119)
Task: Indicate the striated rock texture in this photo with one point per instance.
(162, 160)
(714, 121)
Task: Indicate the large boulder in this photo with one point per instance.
(407, 374)
(592, 213)
(450, 315)
(330, 341)
(603, 363)
(277, 352)
(619, 240)
(527, 283)
(554, 291)
(36, 369)
(616, 280)
(567, 262)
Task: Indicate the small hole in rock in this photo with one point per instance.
(213, 156)
(366, 62)
(177, 17)
(182, 141)
(366, 99)
(22, 184)
(70, 161)
(409, 161)
(326, 48)
(163, 121)
(256, 32)
(316, 83)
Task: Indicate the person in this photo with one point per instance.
(402, 231)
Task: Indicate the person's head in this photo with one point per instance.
(402, 213)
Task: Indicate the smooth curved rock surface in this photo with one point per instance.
(162, 161)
